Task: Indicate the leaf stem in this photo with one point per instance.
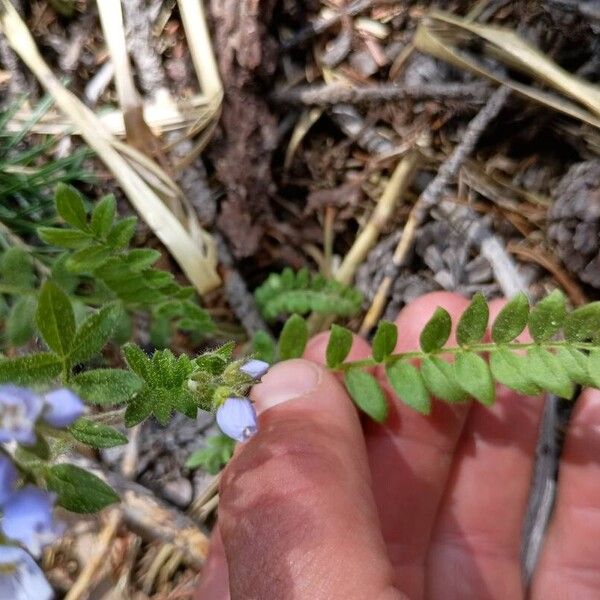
(487, 347)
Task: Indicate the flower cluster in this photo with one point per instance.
(236, 416)
(27, 517)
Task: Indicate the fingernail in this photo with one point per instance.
(286, 381)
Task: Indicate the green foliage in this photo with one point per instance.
(366, 394)
(79, 490)
(106, 387)
(302, 293)
(264, 347)
(550, 362)
(293, 338)
(218, 451)
(96, 434)
(56, 319)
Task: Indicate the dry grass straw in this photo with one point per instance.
(441, 35)
(143, 181)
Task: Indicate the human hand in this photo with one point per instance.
(320, 506)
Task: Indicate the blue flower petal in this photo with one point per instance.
(28, 519)
(255, 368)
(8, 478)
(236, 418)
(62, 407)
(20, 577)
(19, 410)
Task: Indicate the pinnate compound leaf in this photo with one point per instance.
(94, 333)
(473, 322)
(106, 386)
(437, 331)
(79, 490)
(576, 365)
(96, 434)
(513, 371)
(70, 206)
(384, 340)
(408, 384)
(473, 376)
(55, 318)
(511, 320)
(583, 324)
(338, 347)
(548, 372)
(547, 316)
(293, 338)
(440, 379)
(366, 394)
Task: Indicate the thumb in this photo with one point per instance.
(296, 512)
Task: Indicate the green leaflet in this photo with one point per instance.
(548, 373)
(96, 435)
(513, 371)
(34, 368)
(70, 206)
(384, 340)
(473, 375)
(219, 449)
(440, 379)
(408, 384)
(367, 394)
(107, 387)
(436, 332)
(583, 324)
(473, 322)
(55, 318)
(511, 320)
(293, 338)
(547, 317)
(338, 347)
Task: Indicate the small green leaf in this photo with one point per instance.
(64, 238)
(16, 268)
(593, 368)
(576, 365)
(547, 372)
(473, 322)
(137, 411)
(121, 233)
(437, 331)
(511, 320)
(473, 376)
(70, 206)
(384, 340)
(440, 379)
(293, 338)
(338, 347)
(583, 324)
(264, 346)
(106, 386)
(78, 490)
(103, 216)
(96, 434)
(40, 449)
(20, 324)
(409, 386)
(93, 333)
(367, 394)
(55, 318)
(218, 451)
(548, 316)
(34, 368)
(88, 259)
(513, 371)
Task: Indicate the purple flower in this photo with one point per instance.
(237, 418)
(255, 368)
(28, 519)
(19, 410)
(8, 478)
(62, 407)
(20, 577)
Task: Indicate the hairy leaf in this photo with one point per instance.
(338, 347)
(440, 379)
(94, 333)
(78, 490)
(34, 368)
(583, 324)
(96, 434)
(408, 384)
(473, 322)
(55, 318)
(264, 347)
(20, 325)
(103, 216)
(548, 372)
(64, 238)
(366, 394)
(293, 338)
(106, 386)
(547, 317)
(437, 331)
(384, 340)
(473, 376)
(511, 320)
(575, 363)
(70, 206)
(513, 371)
